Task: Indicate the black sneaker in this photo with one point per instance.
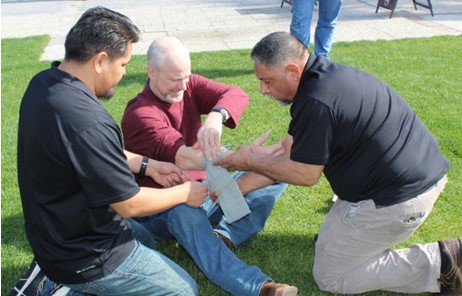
(35, 283)
(28, 284)
(451, 266)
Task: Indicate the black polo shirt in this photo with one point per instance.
(71, 166)
(372, 144)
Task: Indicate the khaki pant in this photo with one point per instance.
(353, 250)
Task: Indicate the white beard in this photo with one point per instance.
(173, 100)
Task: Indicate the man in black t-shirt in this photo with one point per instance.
(380, 160)
(75, 179)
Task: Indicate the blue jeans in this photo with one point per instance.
(302, 14)
(144, 272)
(192, 228)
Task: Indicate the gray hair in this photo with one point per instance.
(277, 49)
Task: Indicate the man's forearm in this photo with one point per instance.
(270, 167)
(134, 161)
(251, 181)
(285, 170)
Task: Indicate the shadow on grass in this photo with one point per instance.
(328, 203)
(13, 238)
(11, 274)
(285, 258)
(13, 234)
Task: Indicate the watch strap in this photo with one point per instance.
(144, 165)
(223, 112)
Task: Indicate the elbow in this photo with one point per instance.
(308, 175)
(308, 181)
(126, 209)
(127, 213)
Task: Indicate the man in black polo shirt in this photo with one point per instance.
(380, 160)
(75, 178)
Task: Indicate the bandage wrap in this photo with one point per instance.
(232, 201)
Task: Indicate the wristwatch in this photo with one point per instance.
(223, 112)
(144, 166)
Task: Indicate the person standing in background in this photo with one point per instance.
(300, 26)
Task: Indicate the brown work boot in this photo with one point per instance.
(226, 240)
(451, 266)
(275, 289)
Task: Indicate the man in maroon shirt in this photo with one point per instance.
(163, 122)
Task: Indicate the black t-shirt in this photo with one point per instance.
(71, 166)
(370, 141)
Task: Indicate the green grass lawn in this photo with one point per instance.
(427, 72)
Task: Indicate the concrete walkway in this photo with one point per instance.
(208, 25)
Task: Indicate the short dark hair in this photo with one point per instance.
(277, 48)
(100, 29)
